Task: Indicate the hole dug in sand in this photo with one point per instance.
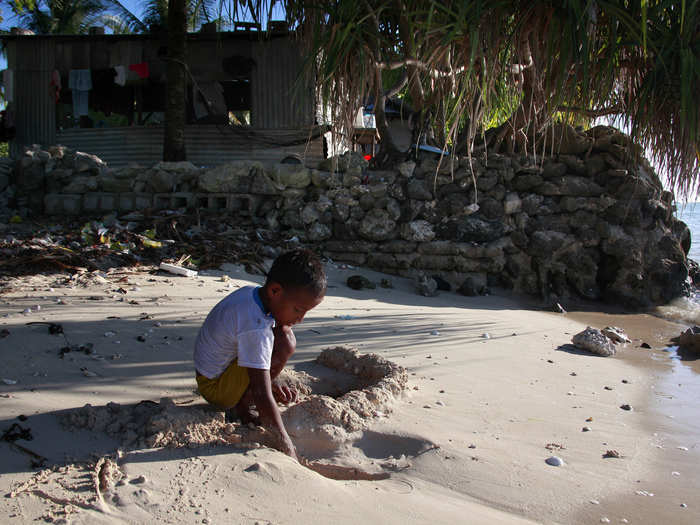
(340, 395)
(346, 391)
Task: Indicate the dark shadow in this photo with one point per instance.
(379, 445)
(571, 349)
(685, 354)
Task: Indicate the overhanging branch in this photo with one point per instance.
(593, 113)
(434, 72)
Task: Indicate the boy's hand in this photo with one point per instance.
(288, 448)
(283, 393)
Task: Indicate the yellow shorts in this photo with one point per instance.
(226, 390)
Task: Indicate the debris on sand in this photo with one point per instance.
(177, 270)
(594, 341)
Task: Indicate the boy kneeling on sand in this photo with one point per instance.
(247, 339)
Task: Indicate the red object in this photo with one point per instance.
(140, 69)
(368, 157)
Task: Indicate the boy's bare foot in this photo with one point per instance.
(245, 415)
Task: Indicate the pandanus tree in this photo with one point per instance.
(498, 74)
(57, 16)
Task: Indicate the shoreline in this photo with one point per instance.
(673, 398)
(492, 404)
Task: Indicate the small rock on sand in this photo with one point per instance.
(594, 341)
(554, 461)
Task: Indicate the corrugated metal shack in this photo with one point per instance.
(246, 98)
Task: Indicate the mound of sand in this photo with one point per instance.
(316, 423)
(149, 424)
(322, 422)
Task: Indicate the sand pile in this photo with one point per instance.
(322, 422)
(149, 424)
(317, 423)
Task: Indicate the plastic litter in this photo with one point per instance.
(177, 270)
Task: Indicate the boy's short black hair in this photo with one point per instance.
(299, 268)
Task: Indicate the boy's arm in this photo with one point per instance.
(261, 389)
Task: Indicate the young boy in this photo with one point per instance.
(247, 339)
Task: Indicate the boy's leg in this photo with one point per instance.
(284, 346)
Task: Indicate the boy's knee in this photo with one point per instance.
(285, 341)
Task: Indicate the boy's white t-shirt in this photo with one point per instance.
(237, 328)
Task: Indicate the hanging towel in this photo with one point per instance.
(80, 83)
(8, 81)
(140, 69)
(55, 85)
(120, 78)
(80, 102)
(80, 79)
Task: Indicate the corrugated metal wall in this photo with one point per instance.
(206, 145)
(35, 107)
(279, 100)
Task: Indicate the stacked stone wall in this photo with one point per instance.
(591, 221)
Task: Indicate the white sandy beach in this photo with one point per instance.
(494, 390)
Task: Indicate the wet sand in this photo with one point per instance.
(671, 416)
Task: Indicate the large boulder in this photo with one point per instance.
(176, 167)
(233, 177)
(112, 184)
(82, 184)
(291, 175)
(377, 226)
(418, 231)
(161, 181)
(419, 190)
(572, 185)
(349, 160)
(326, 179)
(87, 162)
(471, 228)
(318, 232)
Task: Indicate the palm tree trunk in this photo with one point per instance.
(174, 139)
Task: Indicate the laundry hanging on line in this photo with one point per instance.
(80, 84)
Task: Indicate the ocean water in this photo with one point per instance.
(687, 309)
(689, 213)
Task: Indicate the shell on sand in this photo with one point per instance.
(594, 341)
